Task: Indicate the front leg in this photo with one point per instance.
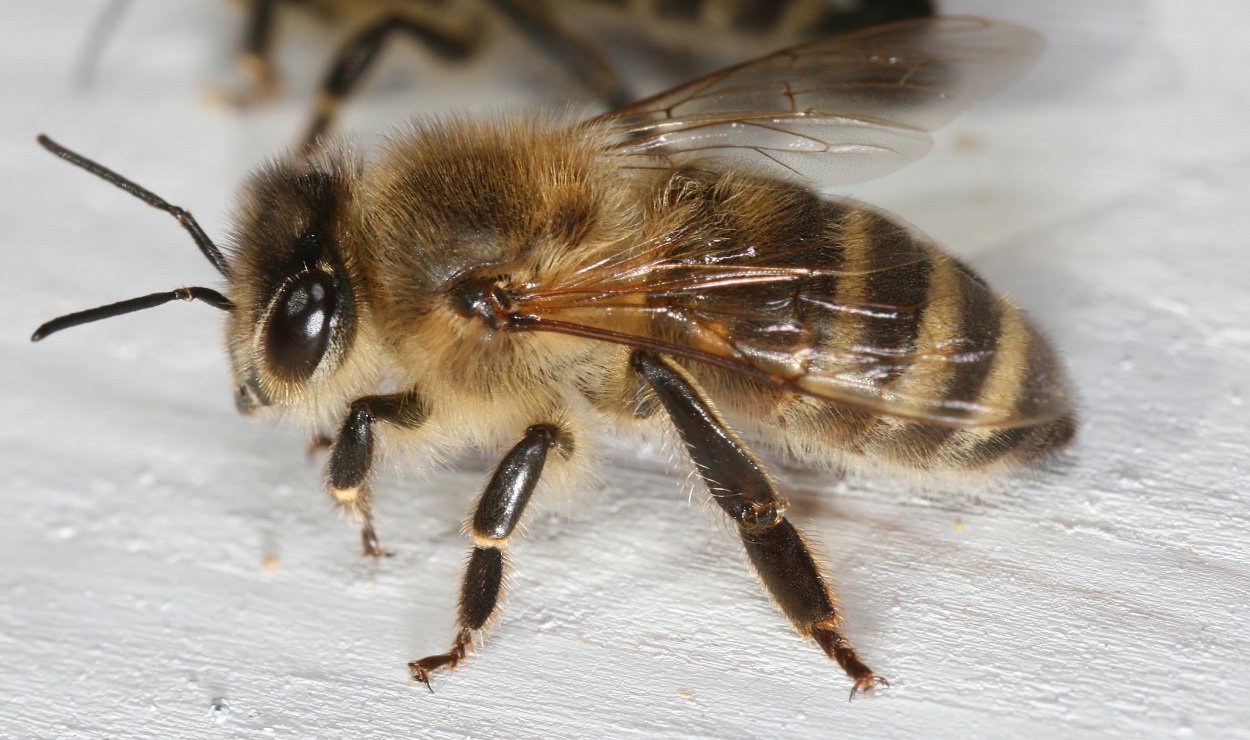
(496, 516)
(351, 456)
(741, 487)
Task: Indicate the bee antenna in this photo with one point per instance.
(184, 217)
(207, 295)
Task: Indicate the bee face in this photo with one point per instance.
(295, 320)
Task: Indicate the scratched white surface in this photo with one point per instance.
(1108, 598)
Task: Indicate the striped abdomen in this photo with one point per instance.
(875, 303)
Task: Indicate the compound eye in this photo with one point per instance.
(299, 326)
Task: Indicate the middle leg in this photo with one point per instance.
(497, 514)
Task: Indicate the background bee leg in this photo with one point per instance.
(351, 456)
(741, 487)
(360, 52)
(320, 443)
(494, 519)
(579, 58)
(254, 61)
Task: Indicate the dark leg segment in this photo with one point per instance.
(254, 60)
(533, 19)
(495, 518)
(741, 487)
(351, 456)
(359, 54)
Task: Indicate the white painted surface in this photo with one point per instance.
(1105, 599)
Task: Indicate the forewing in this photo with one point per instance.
(759, 314)
(831, 112)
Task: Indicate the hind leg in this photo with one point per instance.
(741, 487)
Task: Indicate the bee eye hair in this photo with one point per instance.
(299, 326)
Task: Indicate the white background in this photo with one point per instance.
(1108, 598)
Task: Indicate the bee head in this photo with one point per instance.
(295, 316)
(292, 312)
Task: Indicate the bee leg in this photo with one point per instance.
(581, 59)
(741, 487)
(351, 456)
(494, 519)
(318, 444)
(254, 59)
(361, 51)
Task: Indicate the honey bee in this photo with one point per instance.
(515, 283)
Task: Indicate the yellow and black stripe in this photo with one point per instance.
(882, 297)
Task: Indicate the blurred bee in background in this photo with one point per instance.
(453, 30)
(517, 284)
(562, 30)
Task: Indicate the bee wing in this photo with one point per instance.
(837, 111)
(757, 314)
